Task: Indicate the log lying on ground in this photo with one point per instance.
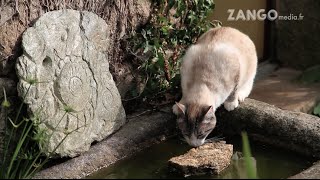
(293, 131)
(211, 158)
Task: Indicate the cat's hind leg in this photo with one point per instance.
(243, 91)
(238, 95)
(232, 102)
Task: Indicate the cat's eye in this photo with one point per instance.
(186, 134)
(201, 136)
(207, 120)
(204, 134)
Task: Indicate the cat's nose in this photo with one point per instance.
(195, 142)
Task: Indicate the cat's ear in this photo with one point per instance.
(179, 109)
(209, 116)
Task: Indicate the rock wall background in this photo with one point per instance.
(122, 17)
(297, 41)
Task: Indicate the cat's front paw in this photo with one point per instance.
(229, 106)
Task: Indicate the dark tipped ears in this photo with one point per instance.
(210, 112)
(210, 109)
(179, 108)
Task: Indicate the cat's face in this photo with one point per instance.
(195, 122)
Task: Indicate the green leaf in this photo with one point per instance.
(143, 33)
(146, 48)
(159, 35)
(316, 110)
(68, 109)
(160, 61)
(311, 75)
(6, 104)
(251, 172)
(165, 30)
(163, 19)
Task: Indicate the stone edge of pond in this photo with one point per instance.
(294, 131)
(312, 172)
(137, 134)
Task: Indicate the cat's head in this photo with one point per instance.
(195, 122)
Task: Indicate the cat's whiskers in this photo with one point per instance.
(213, 139)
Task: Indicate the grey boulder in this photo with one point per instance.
(64, 73)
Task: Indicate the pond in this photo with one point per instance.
(271, 162)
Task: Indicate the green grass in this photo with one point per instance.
(316, 110)
(23, 153)
(251, 172)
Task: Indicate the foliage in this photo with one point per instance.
(316, 110)
(159, 46)
(24, 141)
(311, 75)
(247, 156)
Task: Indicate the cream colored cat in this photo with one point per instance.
(219, 68)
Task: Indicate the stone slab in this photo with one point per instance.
(210, 158)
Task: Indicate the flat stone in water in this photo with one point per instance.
(210, 158)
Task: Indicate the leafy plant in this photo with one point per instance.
(251, 172)
(23, 154)
(311, 75)
(158, 47)
(316, 110)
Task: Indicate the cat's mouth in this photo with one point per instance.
(199, 142)
(194, 142)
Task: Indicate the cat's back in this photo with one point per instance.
(222, 47)
(227, 35)
(219, 59)
(215, 51)
(230, 40)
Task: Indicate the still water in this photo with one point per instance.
(152, 163)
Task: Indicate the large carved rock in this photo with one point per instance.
(122, 16)
(65, 52)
